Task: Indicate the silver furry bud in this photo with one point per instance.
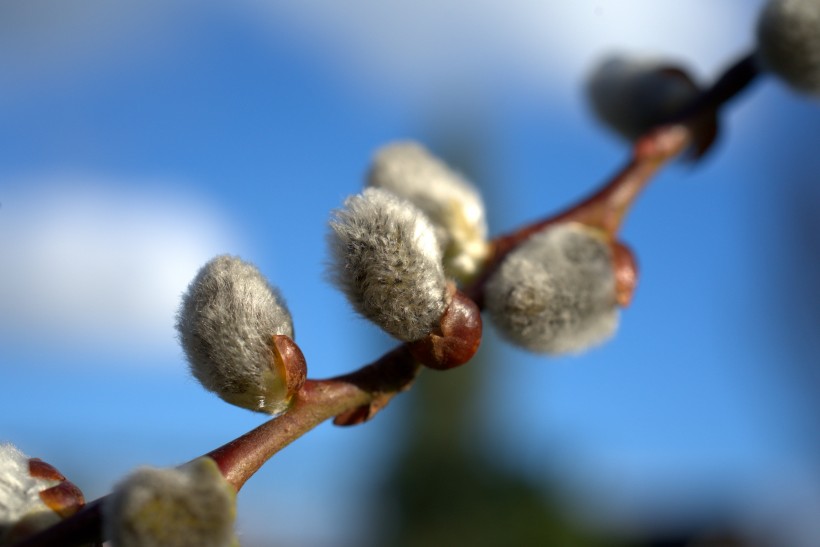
(189, 506)
(226, 323)
(556, 292)
(20, 503)
(633, 95)
(788, 35)
(385, 258)
(453, 205)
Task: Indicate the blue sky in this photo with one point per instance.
(138, 141)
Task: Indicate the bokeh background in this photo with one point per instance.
(140, 138)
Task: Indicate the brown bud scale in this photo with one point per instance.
(39, 469)
(457, 338)
(65, 499)
(289, 360)
(626, 273)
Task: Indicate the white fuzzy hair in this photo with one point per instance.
(453, 205)
(556, 292)
(385, 258)
(20, 492)
(788, 35)
(189, 506)
(226, 322)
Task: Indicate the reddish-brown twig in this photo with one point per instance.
(358, 396)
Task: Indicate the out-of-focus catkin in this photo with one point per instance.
(451, 203)
(788, 42)
(556, 292)
(189, 506)
(633, 95)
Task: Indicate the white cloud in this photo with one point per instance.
(428, 46)
(409, 49)
(90, 267)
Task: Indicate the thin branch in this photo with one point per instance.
(356, 397)
(82, 528)
(606, 208)
(352, 398)
(729, 85)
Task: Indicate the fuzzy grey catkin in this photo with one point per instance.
(788, 42)
(633, 95)
(385, 258)
(556, 292)
(190, 506)
(451, 203)
(226, 321)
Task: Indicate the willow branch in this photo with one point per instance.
(356, 397)
(352, 398)
(606, 207)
